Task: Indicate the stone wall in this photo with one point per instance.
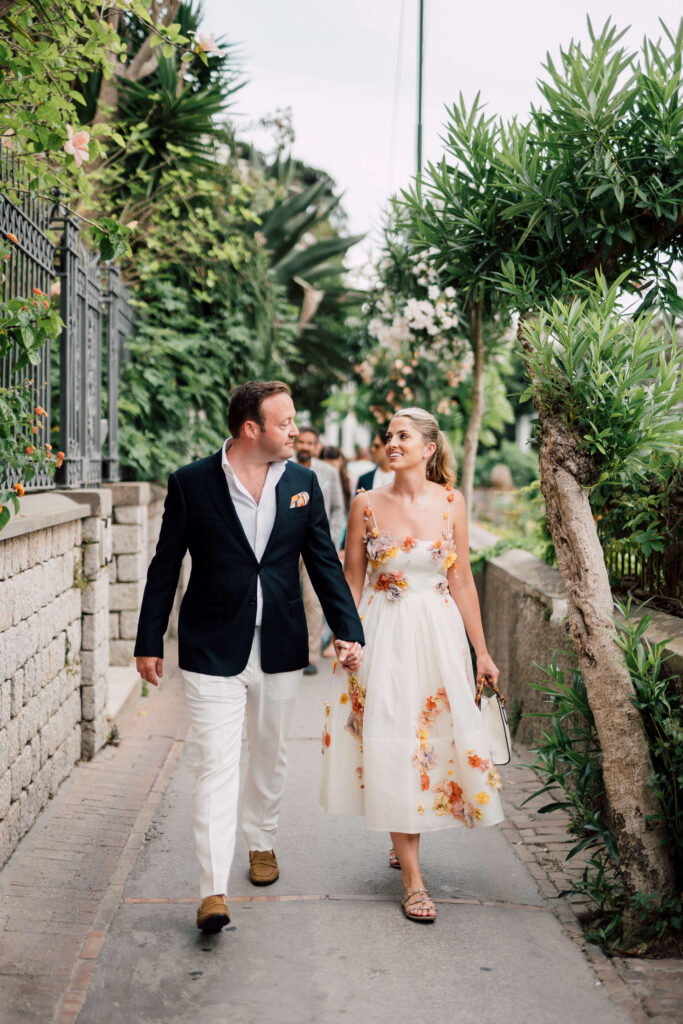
(137, 509)
(41, 636)
(72, 572)
(524, 613)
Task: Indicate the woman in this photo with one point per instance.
(404, 745)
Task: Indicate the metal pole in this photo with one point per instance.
(419, 87)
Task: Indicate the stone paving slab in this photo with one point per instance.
(331, 961)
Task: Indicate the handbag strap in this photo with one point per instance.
(486, 682)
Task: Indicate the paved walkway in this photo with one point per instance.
(97, 909)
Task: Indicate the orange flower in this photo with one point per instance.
(475, 761)
(19, 488)
(408, 544)
(48, 447)
(46, 304)
(367, 511)
(430, 704)
(344, 699)
(29, 449)
(37, 291)
(40, 411)
(450, 497)
(12, 238)
(424, 780)
(482, 798)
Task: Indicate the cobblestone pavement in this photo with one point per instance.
(64, 885)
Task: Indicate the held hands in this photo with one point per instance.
(149, 669)
(349, 655)
(487, 667)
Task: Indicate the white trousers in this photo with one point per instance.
(217, 707)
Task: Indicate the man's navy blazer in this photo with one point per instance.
(218, 611)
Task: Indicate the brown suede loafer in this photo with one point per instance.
(213, 914)
(263, 869)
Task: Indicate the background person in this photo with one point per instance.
(307, 446)
(382, 474)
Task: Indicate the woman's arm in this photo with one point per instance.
(464, 592)
(355, 561)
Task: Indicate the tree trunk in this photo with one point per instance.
(644, 861)
(475, 318)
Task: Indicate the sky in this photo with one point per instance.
(348, 70)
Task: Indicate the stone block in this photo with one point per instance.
(126, 540)
(5, 701)
(130, 568)
(30, 676)
(114, 625)
(121, 652)
(17, 693)
(107, 543)
(20, 554)
(56, 655)
(128, 626)
(94, 629)
(73, 642)
(40, 546)
(96, 594)
(129, 515)
(5, 793)
(130, 494)
(94, 735)
(21, 772)
(92, 528)
(111, 571)
(94, 664)
(14, 649)
(9, 833)
(30, 719)
(7, 603)
(13, 746)
(4, 751)
(123, 597)
(35, 755)
(92, 560)
(93, 700)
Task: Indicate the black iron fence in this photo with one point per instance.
(81, 400)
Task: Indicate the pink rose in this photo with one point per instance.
(76, 145)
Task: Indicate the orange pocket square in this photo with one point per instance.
(300, 499)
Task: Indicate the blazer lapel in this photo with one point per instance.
(218, 488)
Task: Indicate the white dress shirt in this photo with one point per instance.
(257, 518)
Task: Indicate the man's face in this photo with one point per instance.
(279, 430)
(306, 446)
(377, 450)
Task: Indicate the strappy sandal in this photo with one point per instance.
(394, 862)
(424, 900)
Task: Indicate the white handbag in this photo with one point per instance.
(494, 720)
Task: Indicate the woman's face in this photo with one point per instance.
(406, 447)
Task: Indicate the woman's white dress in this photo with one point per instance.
(402, 742)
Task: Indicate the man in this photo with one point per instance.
(361, 463)
(307, 446)
(381, 474)
(246, 514)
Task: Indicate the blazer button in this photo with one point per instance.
(252, 602)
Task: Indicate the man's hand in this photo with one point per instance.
(349, 655)
(150, 668)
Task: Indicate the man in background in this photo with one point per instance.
(381, 474)
(307, 447)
